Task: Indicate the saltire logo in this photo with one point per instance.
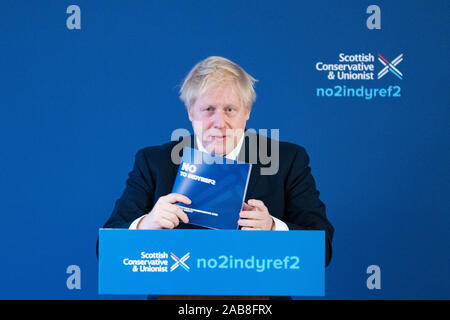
(390, 66)
(180, 262)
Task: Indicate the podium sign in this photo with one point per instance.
(212, 262)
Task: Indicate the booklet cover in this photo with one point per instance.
(216, 187)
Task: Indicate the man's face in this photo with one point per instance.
(218, 118)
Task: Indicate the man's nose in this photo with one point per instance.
(219, 119)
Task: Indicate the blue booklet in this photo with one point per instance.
(216, 187)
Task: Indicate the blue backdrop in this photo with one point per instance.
(76, 105)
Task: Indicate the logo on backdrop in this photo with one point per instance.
(365, 67)
(390, 66)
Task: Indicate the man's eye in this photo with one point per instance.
(229, 109)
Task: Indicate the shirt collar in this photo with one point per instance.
(231, 155)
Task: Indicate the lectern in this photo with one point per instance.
(212, 262)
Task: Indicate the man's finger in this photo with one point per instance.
(166, 224)
(249, 223)
(258, 215)
(247, 207)
(174, 197)
(181, 214)
(170, 216)
(247, 228)
(258, 204)
(176, 210)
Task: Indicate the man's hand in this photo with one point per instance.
(165, 214)
(255, 216)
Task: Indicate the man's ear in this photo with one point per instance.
(248, 114)
(189, 113)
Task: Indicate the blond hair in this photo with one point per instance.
(213, 71)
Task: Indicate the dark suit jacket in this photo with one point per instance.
(290, 194)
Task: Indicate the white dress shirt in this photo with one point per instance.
(278, 224)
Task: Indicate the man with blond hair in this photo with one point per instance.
(218, 95)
